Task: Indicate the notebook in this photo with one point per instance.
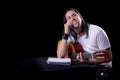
(58, 61)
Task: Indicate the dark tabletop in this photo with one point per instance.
(40, 64)
(27, 67)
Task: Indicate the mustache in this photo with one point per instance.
(74, 20)
(74, 28)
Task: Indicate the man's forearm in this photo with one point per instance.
(94, 61)
(62, 48)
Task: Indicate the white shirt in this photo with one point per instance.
(97, 39)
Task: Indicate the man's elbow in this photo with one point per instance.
(59, 55)
(110, 58)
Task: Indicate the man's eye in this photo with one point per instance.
(74, 14)
(68, 18)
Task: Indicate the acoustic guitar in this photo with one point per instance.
(75, 48)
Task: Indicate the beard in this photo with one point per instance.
(77, 27)
(75, 24)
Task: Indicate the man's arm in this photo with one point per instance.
(100, 59)
(62, 48)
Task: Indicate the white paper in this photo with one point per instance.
(58, 61)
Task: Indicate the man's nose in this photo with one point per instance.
(73, 19)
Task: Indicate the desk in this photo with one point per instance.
(39, 65)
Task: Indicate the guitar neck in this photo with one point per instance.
(85, 55)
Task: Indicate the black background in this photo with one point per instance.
(38, 26)
(35, 27)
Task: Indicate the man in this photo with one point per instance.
(92, 38)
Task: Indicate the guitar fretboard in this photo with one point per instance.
(85, 55)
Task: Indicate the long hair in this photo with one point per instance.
(84, 25)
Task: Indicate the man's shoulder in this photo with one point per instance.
(94, 27)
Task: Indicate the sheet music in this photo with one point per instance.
(58, 61)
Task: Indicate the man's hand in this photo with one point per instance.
(67, 26)
(79, 57)
(99, 57)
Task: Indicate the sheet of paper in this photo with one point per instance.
(58, 61)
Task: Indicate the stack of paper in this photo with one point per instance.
(58, 61)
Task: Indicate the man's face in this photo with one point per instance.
(76, 20)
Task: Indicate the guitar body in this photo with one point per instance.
(72, 50)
